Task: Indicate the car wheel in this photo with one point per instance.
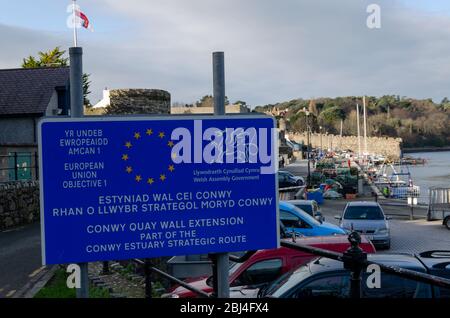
(447, 222)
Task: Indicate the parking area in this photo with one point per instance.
(406, 236)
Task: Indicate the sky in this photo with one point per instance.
(274, 50)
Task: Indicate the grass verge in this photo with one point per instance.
(57, 288)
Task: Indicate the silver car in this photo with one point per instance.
(369, 219)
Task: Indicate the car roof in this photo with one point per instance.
(310, 240)
(301, 201)
(328, 239)
(435, 260)
(362, 203)
(406, 261)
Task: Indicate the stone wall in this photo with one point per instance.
(19, 203)
(388, 147)
(138, 101)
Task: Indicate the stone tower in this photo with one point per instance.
(138, 101)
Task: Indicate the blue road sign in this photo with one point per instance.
(117, 188)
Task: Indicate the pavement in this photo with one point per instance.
(20, 258)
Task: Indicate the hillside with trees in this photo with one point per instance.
(420, 123)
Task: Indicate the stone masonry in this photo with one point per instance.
(19, 203)
(138, 101)
(388, 147)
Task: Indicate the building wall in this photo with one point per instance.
(17, 131)
(230, 109)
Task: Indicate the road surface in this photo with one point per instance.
(20, 258)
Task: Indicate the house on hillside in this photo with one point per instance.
(26, 95)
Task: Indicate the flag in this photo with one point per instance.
(85, 21)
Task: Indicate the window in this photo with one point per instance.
(393, 286)
(363, 213)
(290, 220)
(306, 207)
(337, 286)
(260, 272)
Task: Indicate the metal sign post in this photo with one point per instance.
(77, 111)
(221, 266)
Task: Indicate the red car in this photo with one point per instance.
(267, 265)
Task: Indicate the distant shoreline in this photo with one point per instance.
(425, 149)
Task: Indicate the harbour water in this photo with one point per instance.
(435, 172)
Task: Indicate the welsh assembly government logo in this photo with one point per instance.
(137, 156)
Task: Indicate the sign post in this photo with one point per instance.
(412, 201)
(221, 270)
(119, 188)
(77, 111)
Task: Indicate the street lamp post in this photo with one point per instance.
(321, 147)
(308, 183)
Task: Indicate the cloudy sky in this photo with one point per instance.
(274, 50)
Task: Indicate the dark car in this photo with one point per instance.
(286, 180)
(324, 277)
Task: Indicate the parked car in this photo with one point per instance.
(446, 221)
(324, 277)
(309, 206)
(267, 265)
(287, 179)
(297, 220)
(369, 219)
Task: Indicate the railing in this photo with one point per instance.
(354, 259)
(291, 193)
(21, 164)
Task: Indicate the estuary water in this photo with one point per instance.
(435, 172)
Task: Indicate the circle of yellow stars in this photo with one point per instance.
(130, 170)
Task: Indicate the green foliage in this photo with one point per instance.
(418, 122)
(208, 101)
(86, 91)
(331, 115)
(51, 58)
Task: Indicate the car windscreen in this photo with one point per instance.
(287, 281)
(305, 207)
(306, 217)
(363, 213)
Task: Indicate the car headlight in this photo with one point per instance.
(383, 231)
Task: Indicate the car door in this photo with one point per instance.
(335, 285)
(294, 223)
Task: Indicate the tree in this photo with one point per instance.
(55, 58)
(86, 91)
(208, 101)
